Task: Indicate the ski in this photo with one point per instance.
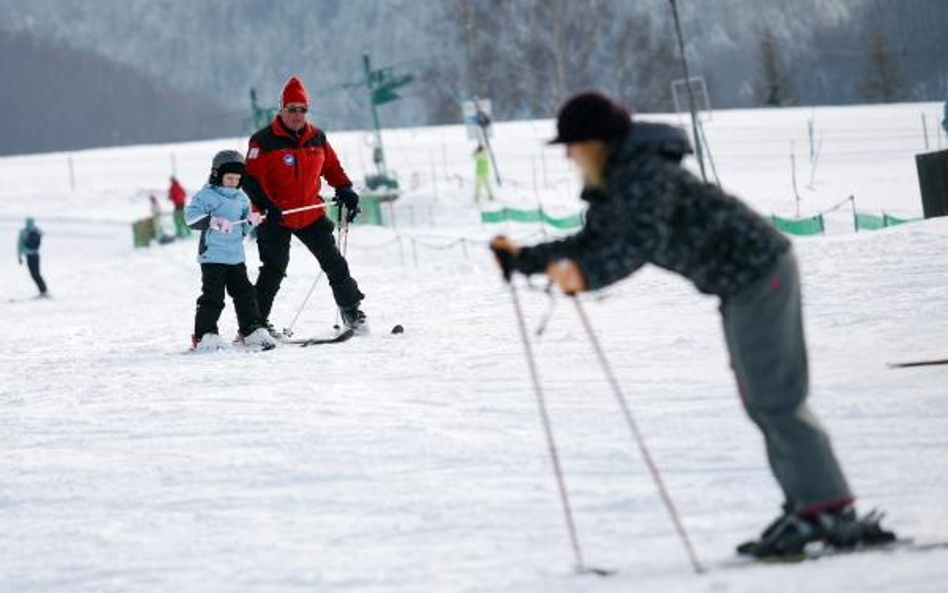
(337, 339)
(907, 545)
(226, 349)
(342, 337)
(917, 363)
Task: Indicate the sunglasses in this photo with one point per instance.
(296, 110)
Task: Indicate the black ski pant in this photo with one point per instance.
(763, 324)
(33, 263)
(273, 244)
(214, 279)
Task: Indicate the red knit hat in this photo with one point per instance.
(294, 92)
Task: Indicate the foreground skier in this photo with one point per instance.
(221, 211)
(644, 207)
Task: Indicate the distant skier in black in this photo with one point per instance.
(644, 207)
(28, 245)
(944, 121)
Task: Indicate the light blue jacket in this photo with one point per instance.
(215, 247)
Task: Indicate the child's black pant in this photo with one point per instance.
(214, 279)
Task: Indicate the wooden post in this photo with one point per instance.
(72, 174)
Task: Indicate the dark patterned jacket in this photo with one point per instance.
(650, 209)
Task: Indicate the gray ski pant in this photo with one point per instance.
(763, 325)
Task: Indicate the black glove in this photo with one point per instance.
(274, 215)
(346, 196)
(593, 195)
(506, 260)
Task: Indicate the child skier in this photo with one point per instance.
(221, 211)
(644, 207)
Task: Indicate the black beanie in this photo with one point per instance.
(591, 116)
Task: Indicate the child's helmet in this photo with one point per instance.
(226, 161)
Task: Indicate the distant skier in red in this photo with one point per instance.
(178, 197)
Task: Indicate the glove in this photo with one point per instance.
(506, 252)
(221, 224)
(274, 215)
(347, 196)
(255, 218)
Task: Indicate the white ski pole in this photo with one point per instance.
(294, 211)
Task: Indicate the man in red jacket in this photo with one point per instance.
(285, 163)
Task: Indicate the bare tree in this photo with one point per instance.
(646, 62)
(882, 79)
(774, 88)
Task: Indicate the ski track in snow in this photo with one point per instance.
(416, 462)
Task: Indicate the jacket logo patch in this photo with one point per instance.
(289, 160)
(253, 153)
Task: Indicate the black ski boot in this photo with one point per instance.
(274, 333)
(842, 529)
(354, 319)
(787, 535)
(845, 530)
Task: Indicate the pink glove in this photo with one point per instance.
(221, 224)
(255, 218)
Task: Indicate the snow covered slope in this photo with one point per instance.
(416, 462)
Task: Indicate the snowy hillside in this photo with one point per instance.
(416, 462)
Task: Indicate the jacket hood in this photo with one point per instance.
(667, 141)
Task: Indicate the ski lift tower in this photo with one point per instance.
(261, 116)
(381, 84)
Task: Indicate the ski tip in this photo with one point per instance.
(917, 363)
(341, 337)
(595, 571)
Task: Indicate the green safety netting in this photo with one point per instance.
(801, 226)
(872, 222)
(538, 215)
(523, 215)
(895, 220)
(492, 217)
(565, 222)
(869, 222)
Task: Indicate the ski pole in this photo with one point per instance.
(292, 211)
(344, 245)
(637, 435)
(289, 330)
(580, 566)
